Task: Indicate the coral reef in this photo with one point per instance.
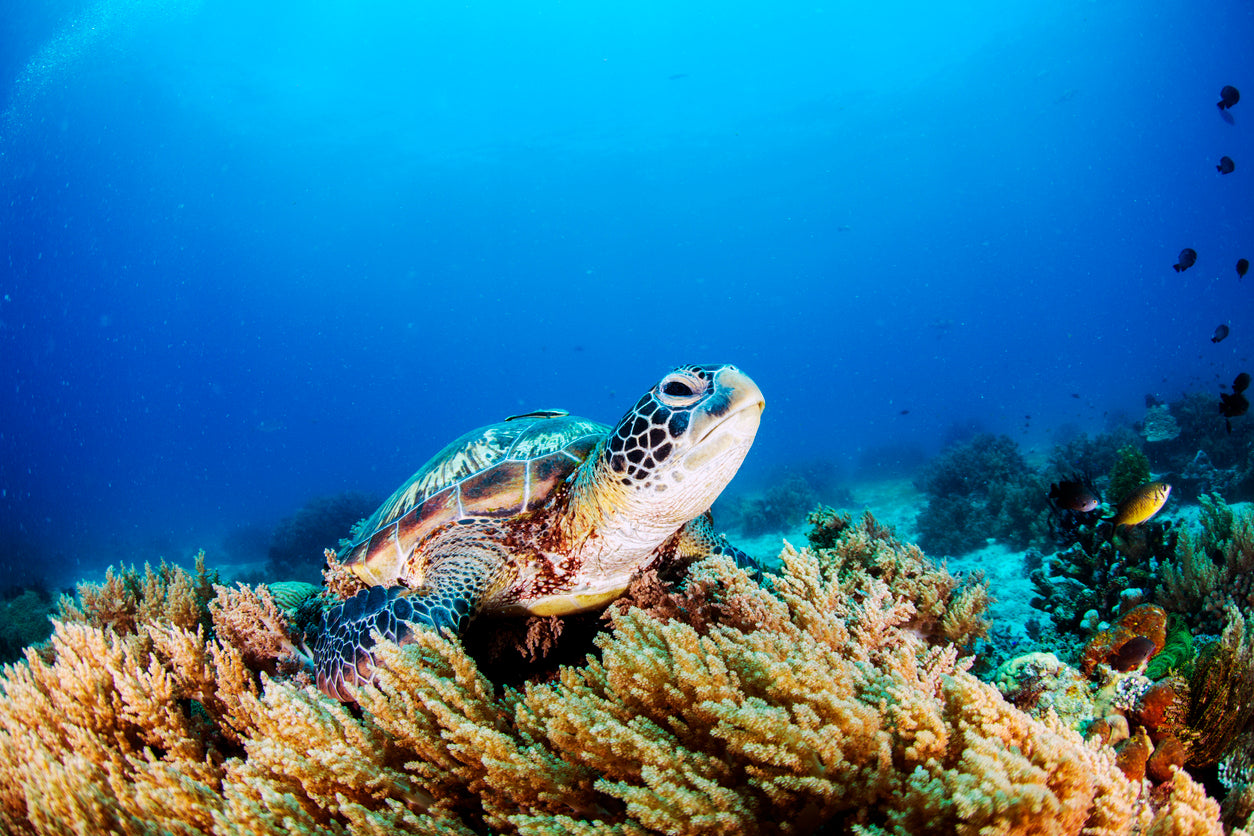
(1095, 579)
(832, 701)
(980, 489)
(299, 542)
(1087, 455)
(780, 507)
(1130, 470)
(1209, 458)
(1188, 706)
(1176, 655)
(126, 600)
(1202, 428)
(1212, 571)
(792, 492)
(1221, 692)
(947, 608)
(1147, 621)
(24, 621)
(1159, 424)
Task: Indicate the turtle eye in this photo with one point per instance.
(679, 389)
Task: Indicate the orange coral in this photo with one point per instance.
(813, 705)
(249, 619)
(1134, 754)
(1162, 710)
(128, 599)
(1169, 755)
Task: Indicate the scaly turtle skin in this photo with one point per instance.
(543, 514)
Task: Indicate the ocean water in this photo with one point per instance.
(254, 253)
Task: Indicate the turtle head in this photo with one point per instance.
(673, 452)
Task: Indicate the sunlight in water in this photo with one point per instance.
(81, 35)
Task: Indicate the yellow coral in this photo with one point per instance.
(251, 620)
(128, 599)
(815, 704)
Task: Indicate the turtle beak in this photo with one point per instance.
(744, 393)
(731, 422)
(736, 406)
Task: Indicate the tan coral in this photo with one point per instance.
(127, 599)
(815, 704)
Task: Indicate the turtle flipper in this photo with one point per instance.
(462, 569)
(342, 657)
(699, 539)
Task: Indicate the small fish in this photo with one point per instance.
(1243, 264)
(1220, 333)
(1133, 653)
(1235, 405)
(1188, 256)
(1226, 165)
(1228, 97)
(1140, 505)
(1073, 495)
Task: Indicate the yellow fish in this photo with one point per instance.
(1141, 504)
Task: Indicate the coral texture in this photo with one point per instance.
(977, 490)
(825, 702)
(1130, 471)
(24, 621)
(1213, 570)
(1159, 424)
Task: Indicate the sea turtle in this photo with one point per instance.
(543, 514)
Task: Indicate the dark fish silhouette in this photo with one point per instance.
(1133, 653)
(1074, 495)
(1243, 264)
(1226, 165)
(1187, 257)
(1228, 97)
(1235, 405)
(1220, 333)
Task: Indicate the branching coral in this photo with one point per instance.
(250, 619)
(1221, 692)
(128, 599)
(824, 702)
(946, 608)
(1212, 570)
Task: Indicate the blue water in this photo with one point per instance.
(252, 253)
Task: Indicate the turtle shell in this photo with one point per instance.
(497, 471)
